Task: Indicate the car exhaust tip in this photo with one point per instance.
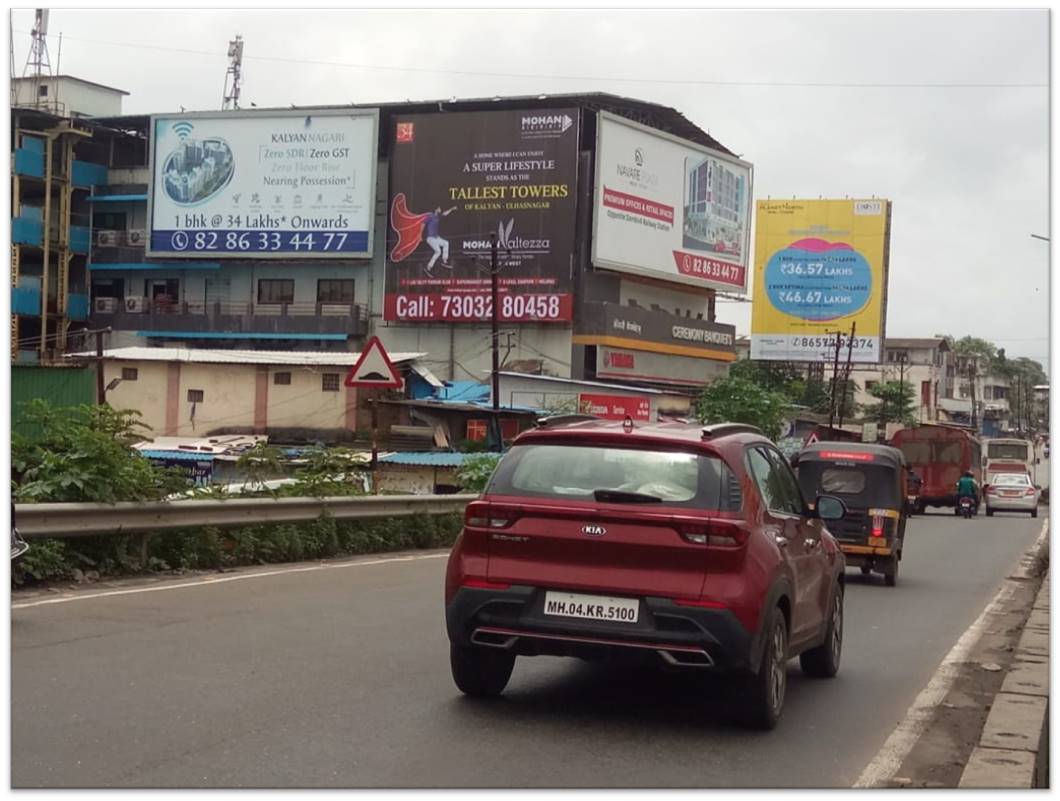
(492, 639)
(697, 659)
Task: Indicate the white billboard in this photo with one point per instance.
(263, 184)
(669, 208)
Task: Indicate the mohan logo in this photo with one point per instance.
(545, 125)
(593, 530)
(507, 241)
(406, 132)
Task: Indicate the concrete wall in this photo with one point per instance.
(412, 480)
(235, 396)
(147, 394)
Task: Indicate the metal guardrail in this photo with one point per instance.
(70, 520)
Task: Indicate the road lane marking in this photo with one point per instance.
(206, 582)
(897, 747)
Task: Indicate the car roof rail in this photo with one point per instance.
(560, 419)
(725, 429)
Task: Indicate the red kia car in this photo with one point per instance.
(692, 545)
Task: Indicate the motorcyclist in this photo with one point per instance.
(967, 488)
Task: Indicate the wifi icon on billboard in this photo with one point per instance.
(182, 129)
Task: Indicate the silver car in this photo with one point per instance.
(1011, 492)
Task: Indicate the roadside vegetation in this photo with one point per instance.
(82, 454)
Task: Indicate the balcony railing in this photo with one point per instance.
(145, 314)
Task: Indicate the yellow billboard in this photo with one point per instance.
(820, 266)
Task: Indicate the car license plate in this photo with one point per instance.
(1010, 494)
(592, 607)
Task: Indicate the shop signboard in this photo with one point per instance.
(615, 407)
(669, 208)
(269, 184)
(455, 179)
(820, 267)
(626, 363)
(646, 329)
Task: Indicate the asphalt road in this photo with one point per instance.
(339, 677)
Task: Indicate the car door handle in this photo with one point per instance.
(782, 541)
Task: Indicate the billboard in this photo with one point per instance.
(670, 209)
(455, 179)
(270, 184)
(820, 265)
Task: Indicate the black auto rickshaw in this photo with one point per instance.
(872, 480)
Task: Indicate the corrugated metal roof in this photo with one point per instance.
(425, 459)
(211, 356)
(178, 456)
(581, 382)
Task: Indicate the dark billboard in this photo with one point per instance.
(455, 179)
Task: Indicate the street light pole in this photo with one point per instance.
(493, 322)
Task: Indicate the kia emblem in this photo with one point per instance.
(592, 530)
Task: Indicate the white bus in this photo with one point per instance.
(1005, 455)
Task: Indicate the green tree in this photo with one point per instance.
(896, 403)
(738, 400)
(84, 454)
(773, 376)
(477, 470)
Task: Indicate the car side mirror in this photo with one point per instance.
(830, 508)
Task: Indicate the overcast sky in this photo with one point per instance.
(966, 168)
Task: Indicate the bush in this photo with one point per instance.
(210, 548)
(477, 470)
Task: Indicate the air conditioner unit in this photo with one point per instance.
(105, 238)
(137, 236)
(134, 304)
(106, 305)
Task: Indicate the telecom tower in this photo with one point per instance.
(233, 75)
(38, 62)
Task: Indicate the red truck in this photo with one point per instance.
(939, 455)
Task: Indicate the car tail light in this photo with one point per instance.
(714, 534)
(481, 514)
(1029, 491)
(990, 490)
(482, 584)
(700, 602)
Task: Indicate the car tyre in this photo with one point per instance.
(890, 572)
(763, 692)
(989, 512)
(822, 662)
(1034, 512)
(480, 672)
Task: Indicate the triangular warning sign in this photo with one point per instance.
(374, 368)
(811, 439)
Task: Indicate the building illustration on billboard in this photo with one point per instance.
(715, 215)
(820, 268)
(670, 208)
(266, 184)
(197, 170)
(456, 179)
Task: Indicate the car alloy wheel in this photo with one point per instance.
(778, 675)
(837, 629)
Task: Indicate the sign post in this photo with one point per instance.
(373, 369)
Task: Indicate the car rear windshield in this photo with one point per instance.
(1012, 480)
(585, 472)
(862, 486)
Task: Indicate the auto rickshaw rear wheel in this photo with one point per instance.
(890, 571)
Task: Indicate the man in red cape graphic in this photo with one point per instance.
(414, 228)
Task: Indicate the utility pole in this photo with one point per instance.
(835, 377)
(847, 371)
(101, 388)
(971, 375)
(495, 333)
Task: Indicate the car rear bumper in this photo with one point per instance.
(682, 636)
(996, 504)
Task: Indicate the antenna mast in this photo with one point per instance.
(234, 74)
(38, 62)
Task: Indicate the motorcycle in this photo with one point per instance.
(967, 507)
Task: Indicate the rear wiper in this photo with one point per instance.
(619, 496)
